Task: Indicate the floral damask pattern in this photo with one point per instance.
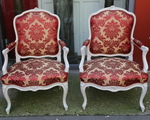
(37, 34)
(112, 72)
(35, 72)
(111, 32)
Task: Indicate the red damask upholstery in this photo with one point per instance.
(37, 34)
(35, 72)
(112, 72)
(110, 32)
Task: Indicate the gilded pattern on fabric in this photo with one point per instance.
(37, 34)
(111, 32)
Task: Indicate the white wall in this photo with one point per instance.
(81, 11)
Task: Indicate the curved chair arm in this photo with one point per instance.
(83, 48)
(5, 53)
(144, 49)
(65, 53)
(144, 53)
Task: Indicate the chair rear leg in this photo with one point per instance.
(5, 92)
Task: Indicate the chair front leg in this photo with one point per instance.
(143, 93)
(83, 88)
(65, 88)
(5, 92)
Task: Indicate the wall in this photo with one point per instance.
(142, 29)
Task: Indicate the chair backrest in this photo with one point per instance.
(111, 30)
(37, 33)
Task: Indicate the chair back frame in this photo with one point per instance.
(18, 57)
(112, 8)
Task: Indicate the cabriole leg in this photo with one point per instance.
(65, 91)
(5, 92)
(144, 90)
(83, 88)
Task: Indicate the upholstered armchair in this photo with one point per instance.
(110, 45)
(38, 55)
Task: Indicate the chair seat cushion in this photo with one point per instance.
(112, 72)
(35, 72)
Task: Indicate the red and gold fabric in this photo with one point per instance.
(111, 32)
(35, 72)
(112, 72)
(37, 34)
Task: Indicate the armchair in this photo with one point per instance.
(111, 42)
(37, 44)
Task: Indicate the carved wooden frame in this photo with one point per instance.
(5, 52)
(130, 57)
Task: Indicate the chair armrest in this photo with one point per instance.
(62, 43)
(86, 42)
(5, 53)
(11, 46)
(138, 43)
(144, 49)
(83, 48)
(65, 53)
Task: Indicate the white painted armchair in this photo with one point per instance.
(37, 40)
(111, 35)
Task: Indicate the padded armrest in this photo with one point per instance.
(62, 43)
(11, 45)
(86, 42)
(137, 43)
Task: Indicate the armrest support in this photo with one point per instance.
(144, 49)
(65, 53)
(83, 48)
(144, 53)
(5, 53)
